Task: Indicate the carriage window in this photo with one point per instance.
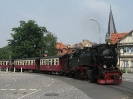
(27, 62)
(21, 62)
(49, 62)
(40, 62)
(0, 63)
(46, 62)
(30, 62)
(52, 61)
(43, 62)
(33, 62)
(8, 63)
(56, 61)
(4, 63)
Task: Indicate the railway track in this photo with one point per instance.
(126, 90)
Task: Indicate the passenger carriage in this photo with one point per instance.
(26, 64)
(4, 63)
(52, 63)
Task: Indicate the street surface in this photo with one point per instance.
(96, 91)
(44, 86)
(33, 86)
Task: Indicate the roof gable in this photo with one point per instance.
(116, 37)
(126, 35)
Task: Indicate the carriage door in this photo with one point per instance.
(37, 63)
(64, 64)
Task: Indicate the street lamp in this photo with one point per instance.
(99, 29)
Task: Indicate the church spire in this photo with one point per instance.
(111, 26)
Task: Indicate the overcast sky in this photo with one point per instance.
(69, 20)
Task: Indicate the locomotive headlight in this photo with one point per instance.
(104, 66)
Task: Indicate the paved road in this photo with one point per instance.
(96, 91)
(44, 86)
(36, 86)
(128, 77)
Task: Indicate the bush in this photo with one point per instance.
(123, 70)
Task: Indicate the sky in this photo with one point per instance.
(69, 20)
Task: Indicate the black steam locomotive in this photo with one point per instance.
(97, 63)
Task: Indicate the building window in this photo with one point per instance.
(126, 50)
(132, 50)
(132, 63)
(125, 64)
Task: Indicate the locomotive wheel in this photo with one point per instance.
(70, 74)
(76, 74)
(33, 71)
(60, 73)
(86, 77)
(93, 78)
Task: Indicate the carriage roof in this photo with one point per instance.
(4, 59)
(56, 56)
(35, 58)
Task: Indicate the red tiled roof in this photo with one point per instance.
(115, 37)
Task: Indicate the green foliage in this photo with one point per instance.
(50, 42)
(30, 40)
(5, 52)
(107, 40)
(123, 70)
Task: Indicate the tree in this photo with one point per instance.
(28, 40)
(50, 41)
(4, 52)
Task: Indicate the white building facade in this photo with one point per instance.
(125, 50)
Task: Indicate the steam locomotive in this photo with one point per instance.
(97, 64)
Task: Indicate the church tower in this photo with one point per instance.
(111, 27)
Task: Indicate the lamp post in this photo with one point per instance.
(99, 29)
